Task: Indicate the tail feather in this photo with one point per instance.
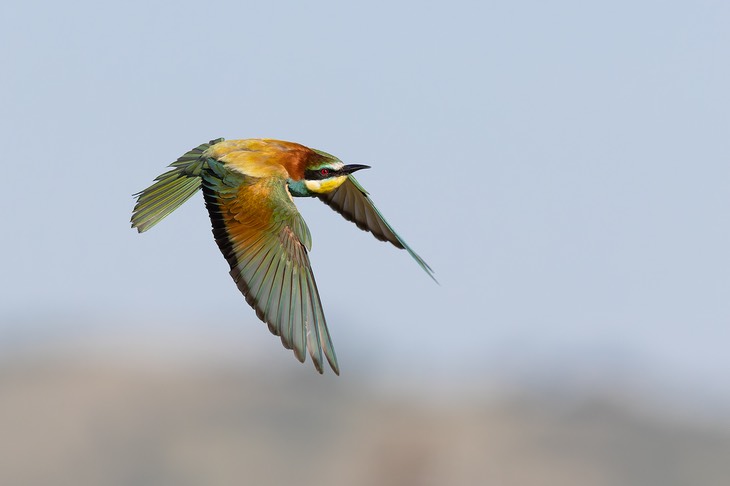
(170, 189)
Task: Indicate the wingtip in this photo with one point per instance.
(318, 364)
(335, 367)
(320, 369)
(421, 262)
(431, 273)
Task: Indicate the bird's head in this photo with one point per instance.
(327, 174)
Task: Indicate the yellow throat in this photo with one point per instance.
(326, 185)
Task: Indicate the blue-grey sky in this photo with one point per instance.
(563, 166)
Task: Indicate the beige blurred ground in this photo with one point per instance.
(85, 420)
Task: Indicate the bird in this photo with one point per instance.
(249, 187)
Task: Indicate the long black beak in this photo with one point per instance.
(349, 169)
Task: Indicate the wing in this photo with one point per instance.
(351, 200)
(170, 189)
(265, 240)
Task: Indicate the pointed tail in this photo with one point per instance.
(170, 189)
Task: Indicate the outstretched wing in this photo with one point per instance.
(170, 189)
(265, 240)
(351, 200)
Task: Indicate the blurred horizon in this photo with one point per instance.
(230, 344)
(135, 407)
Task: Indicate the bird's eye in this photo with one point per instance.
(324, 172)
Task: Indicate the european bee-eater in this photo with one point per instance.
(248, 187)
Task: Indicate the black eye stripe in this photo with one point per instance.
(317, 175)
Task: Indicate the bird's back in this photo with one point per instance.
(253, 157)
(257, 157)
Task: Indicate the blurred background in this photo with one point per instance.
(563, 166)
